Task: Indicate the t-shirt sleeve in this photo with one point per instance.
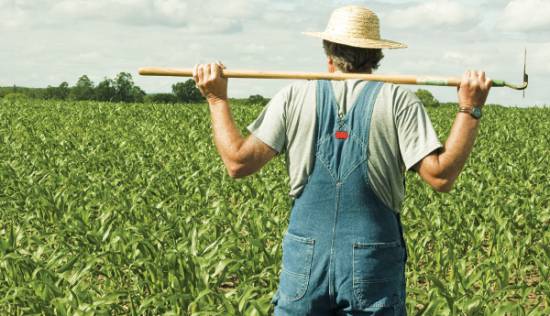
(269, 126)
(416, 134)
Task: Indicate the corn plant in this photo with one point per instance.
(127, 209)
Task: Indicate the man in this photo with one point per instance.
(347, 145)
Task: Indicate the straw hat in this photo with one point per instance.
(355, 26)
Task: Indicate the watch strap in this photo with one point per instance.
(474, 111)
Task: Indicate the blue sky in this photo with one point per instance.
(45, 42)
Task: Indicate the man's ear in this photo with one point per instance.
(330, 64)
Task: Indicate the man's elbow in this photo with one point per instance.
(442, 185)
(236, 171)
(438, 175)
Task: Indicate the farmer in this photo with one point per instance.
(347, 145)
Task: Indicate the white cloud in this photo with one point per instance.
(170, 13)
(461, 59)
(454, 57)
(433, 14)
(196, 16)
(91, 56)
(191, 16)
(50, 41)
(252, 48)
(10, 16)
(540, 57)
(525, 16)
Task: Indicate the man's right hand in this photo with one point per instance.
(211, 82)
(474, 89)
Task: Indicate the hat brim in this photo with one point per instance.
(357, 42)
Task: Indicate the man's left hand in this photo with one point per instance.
(210, 81)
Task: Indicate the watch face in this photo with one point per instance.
(476, 112)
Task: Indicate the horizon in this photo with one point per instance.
(441, 103)
(53, 41)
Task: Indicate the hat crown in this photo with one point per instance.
(355, 26)
(354, 21)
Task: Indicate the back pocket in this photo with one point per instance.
(378, 274)
(297, 258)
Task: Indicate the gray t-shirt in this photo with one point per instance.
(401, 133)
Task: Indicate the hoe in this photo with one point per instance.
(398, 79)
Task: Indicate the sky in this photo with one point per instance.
(46, 42)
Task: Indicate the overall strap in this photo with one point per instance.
(342, 142)
(327, 109)
(361, 113)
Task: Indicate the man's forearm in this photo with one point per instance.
(213, 86)
(440, 169)
(227, 136)
(458, 146)
(240, 156)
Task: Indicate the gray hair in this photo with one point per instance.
(353, 59)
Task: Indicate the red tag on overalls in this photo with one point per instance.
(341, 135)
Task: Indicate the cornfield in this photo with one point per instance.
(115, 209)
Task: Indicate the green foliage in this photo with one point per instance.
(257, 99)
(105, 90)
(83, 89)
(121, 89)
(60, 92)
(127, 209)
(123, 85)
(14, 97)
(6, 90)
(34, 93)
(138, 95)
(160, 98)
(125, 89)
(187, 92)
(427, 98)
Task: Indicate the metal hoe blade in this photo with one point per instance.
(525, 76)
(521, 86)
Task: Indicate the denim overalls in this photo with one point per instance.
(343, 253)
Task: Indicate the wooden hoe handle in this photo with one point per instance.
(398, 79)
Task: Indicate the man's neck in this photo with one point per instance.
(367, 71)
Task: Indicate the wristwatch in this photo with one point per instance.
(475, 111)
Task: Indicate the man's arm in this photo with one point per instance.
(241, 156)
(441, 168)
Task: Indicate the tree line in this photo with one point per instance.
(123, 89)
(120, 89)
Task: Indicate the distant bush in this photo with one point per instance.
(124, 89)
(427, 98)
(83, 89)
(161, 98)
(60, 92)
(3, 92)
(15, 96)
(257, 99)
(120, 89)
(105, 91)
(187, 92)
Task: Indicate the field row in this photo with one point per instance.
(126, 209)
